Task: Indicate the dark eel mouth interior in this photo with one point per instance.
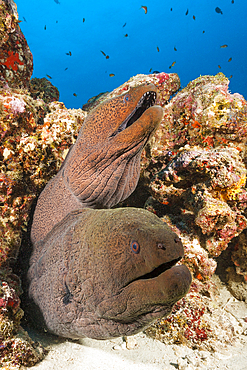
(147, 100)
(158, 270)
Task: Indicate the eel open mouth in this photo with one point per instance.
(158, 270)
(147, 100)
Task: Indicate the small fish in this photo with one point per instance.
(57, 2)
(219, 66)
(49, 76)
(230, 76)
(230, 59)
(145, 9)
(107, 57)
(175, 49)
(126, 35)
(172, 65)
(69, 53)
(66, 68)
(24, 19)
(194, 17)
(156, 72)
(171, 9)
(83, 20)
(232, 1)
(158, 49)
(124, 24)
(203, 31)
(75, 94)
(103, 53)
(56, 21)
(218, 10)
(150, 69)
(224, 46)
(45, 27)
(111, 75)
(187, 12)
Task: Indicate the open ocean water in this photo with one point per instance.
(88, 47)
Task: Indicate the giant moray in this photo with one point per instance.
(102, 168)
(107, 273)
(103, 273)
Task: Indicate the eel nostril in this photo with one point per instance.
(177, 239)
(161, 246)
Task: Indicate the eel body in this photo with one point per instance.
(107, 273)
(102, 168)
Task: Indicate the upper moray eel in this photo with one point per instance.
(102, 168)
(107, 273)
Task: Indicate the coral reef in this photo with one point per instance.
(16, 60)
(41, 88)
(209, 183)
(198, 323)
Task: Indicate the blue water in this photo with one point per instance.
(52, 30)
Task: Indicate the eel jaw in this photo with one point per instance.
(146, 101)
(157, 271)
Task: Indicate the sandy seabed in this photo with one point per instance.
(140, 352)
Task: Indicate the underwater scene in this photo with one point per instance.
(123, 200)
(85, 48)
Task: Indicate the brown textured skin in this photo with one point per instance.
(99, 171)
(83, 274)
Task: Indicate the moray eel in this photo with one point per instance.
(102, 168)
(107, 273)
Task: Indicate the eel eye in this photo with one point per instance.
(135, 247)
(161, 246)
(126, 98)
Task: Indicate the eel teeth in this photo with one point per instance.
(146, 101)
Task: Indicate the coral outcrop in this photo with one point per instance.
(16, 60)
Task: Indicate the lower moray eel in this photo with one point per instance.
(107, 273)
(100, 272)
(102, 168)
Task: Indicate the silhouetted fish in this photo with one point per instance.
(172, 65)
(75, 94)
(57, 2)
(158, 49)
(124, 25)
(187, 12)
(49, 76)
(24, 19)
(111, 75)
(45, 27)
(69, 53)
(66, 68)
(83, 20)
(218, 10)
(230, 59)
(175, 48)
(224, 46)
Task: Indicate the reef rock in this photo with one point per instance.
(41, 88)
(16, 60)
